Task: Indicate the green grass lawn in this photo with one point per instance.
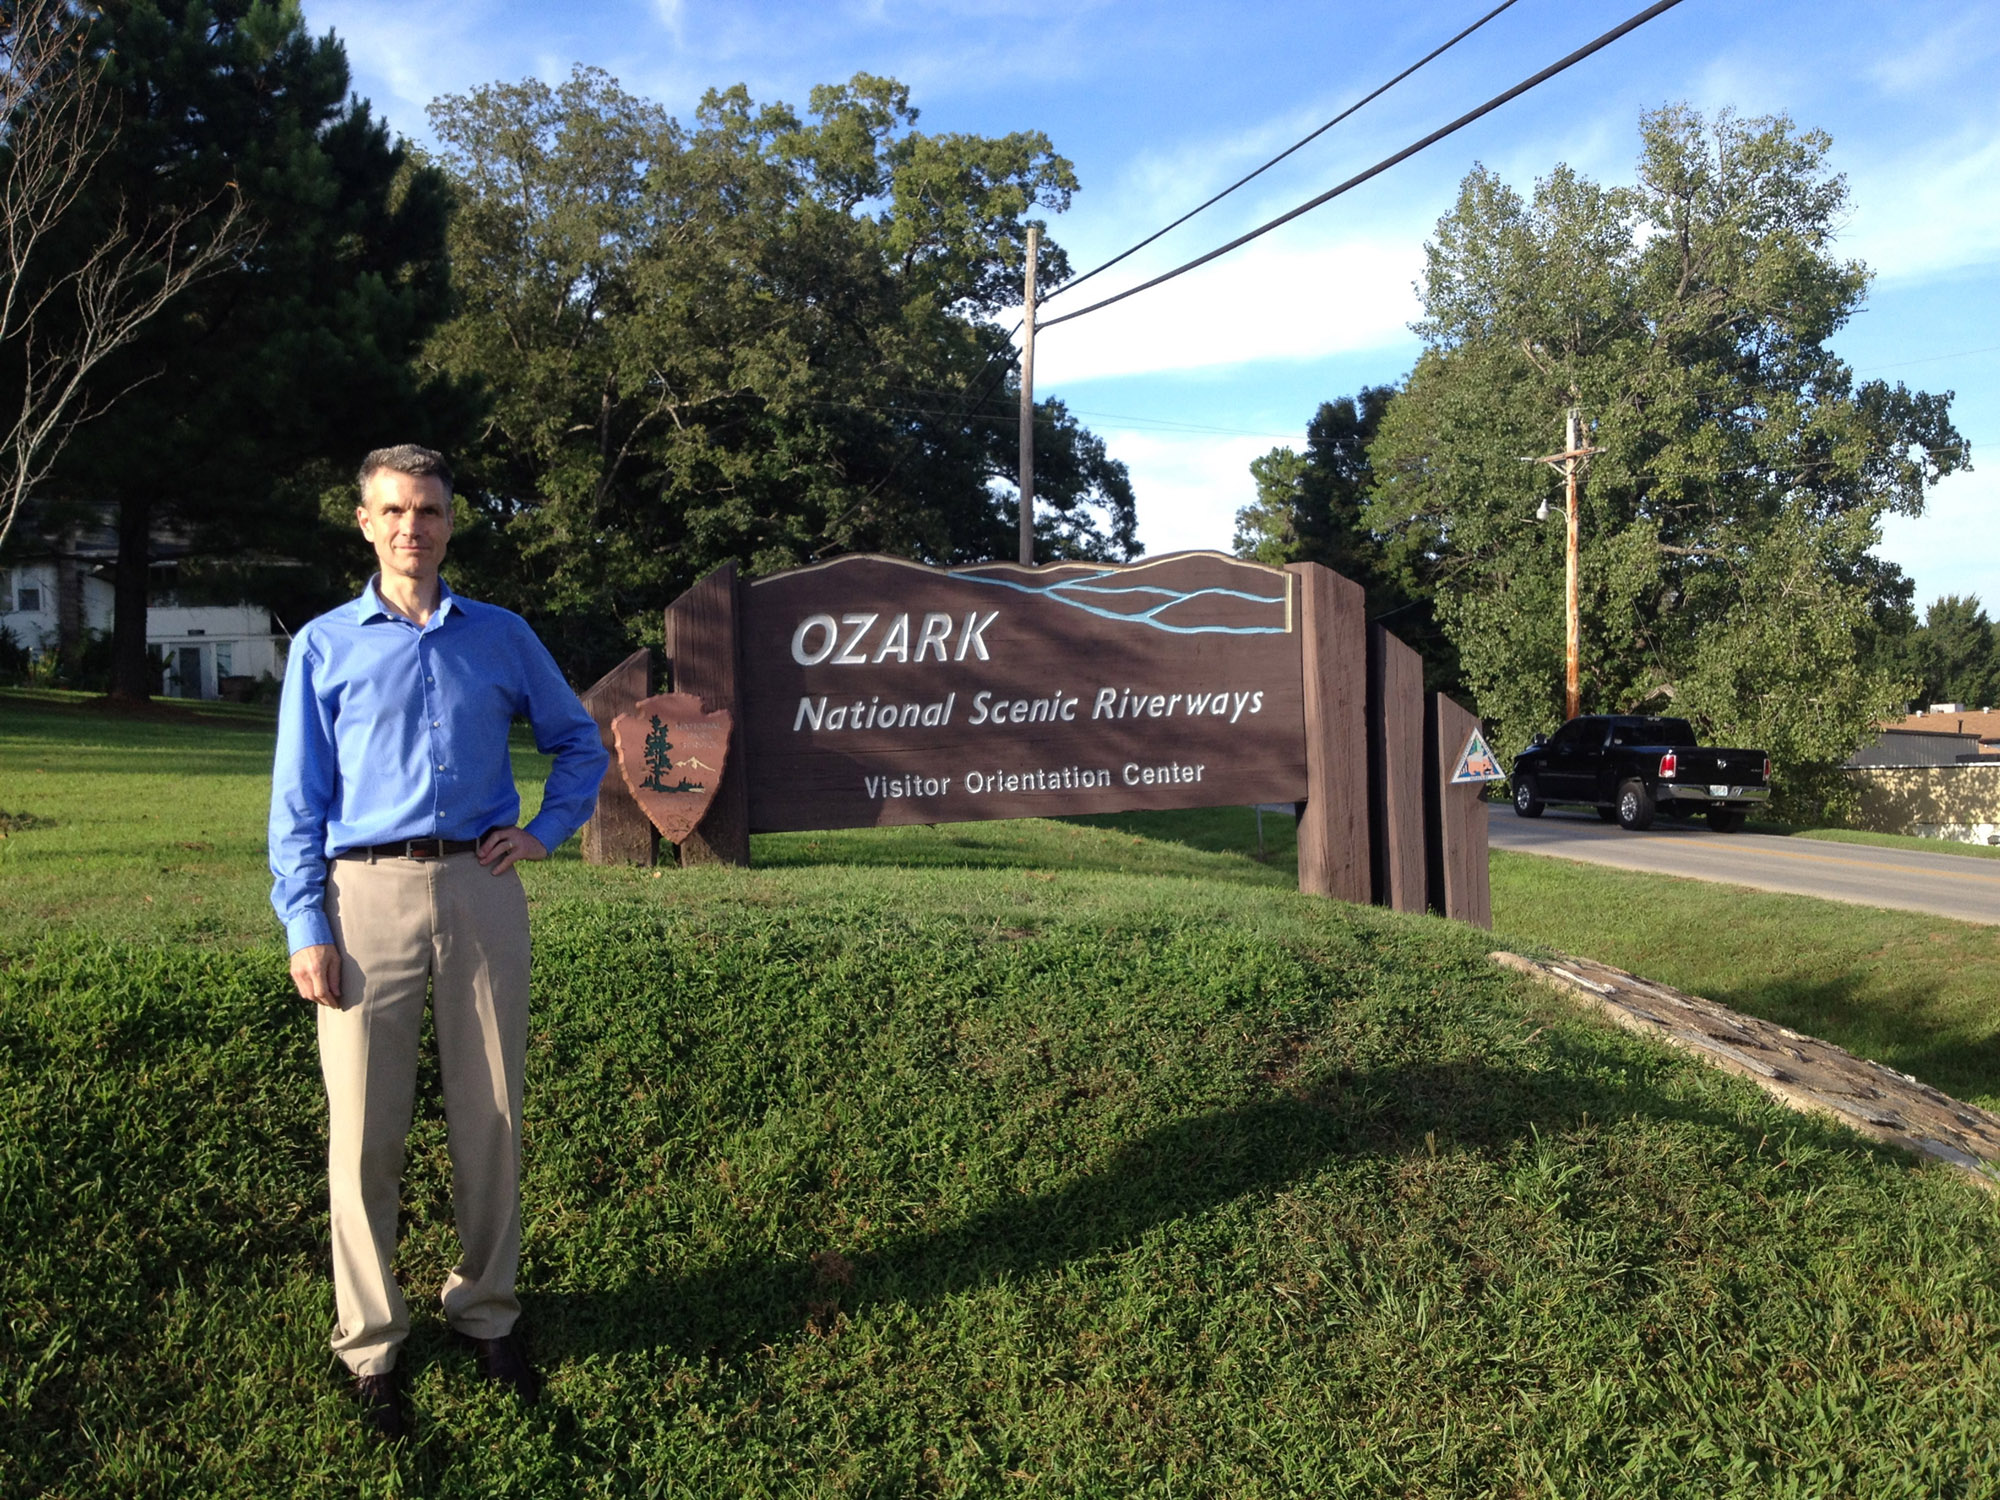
(1896, 841)
(1919, 993)
(1071, 1158)
(1880, 840)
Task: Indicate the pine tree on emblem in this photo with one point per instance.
(660, 762)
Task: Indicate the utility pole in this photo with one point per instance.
(1028, 405)
(1573, 634)
(1573, 454)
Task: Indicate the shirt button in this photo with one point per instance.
(436, 722)
(440, 765)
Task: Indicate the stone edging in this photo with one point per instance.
(1810, 1075)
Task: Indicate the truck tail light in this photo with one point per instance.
(1767, 768)
(1670, 766)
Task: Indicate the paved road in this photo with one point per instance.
(1945, 885)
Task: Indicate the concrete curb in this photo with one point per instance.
(1809, 1075)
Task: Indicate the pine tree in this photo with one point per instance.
(660, 762)
(265, 385)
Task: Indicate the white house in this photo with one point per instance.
(201, 644)
(204, 645)
(34, 599)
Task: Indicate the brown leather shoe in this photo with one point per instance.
(504, 1361)
(383, 1410)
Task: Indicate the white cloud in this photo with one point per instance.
(1929, 210)
(1948, 549)
(1911, 129)
(940, 49)
(1268, 301)
(1171, 176)
(1937, 57)
(1189, 485)
(419, 51)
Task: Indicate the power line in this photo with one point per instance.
(1387, 162)
(984, 381)
(1929, 359)
(1168, 424)
(970, 408)
(1428, 57)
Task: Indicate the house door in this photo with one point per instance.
(187, 667)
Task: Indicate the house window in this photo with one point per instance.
(28, 598)
(225, 659)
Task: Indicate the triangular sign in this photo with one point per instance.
(1478, 762)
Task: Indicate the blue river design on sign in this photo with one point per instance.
(1063, 590)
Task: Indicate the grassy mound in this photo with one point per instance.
(866, 1181)
(1081, 1158)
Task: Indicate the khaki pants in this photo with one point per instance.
(405, 927)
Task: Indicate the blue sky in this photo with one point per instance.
(1160, 104)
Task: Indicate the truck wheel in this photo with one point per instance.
(1635, 806)
(1607, 814)
(1526, 803)
(1726, 819)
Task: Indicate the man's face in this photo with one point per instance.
(407, 518)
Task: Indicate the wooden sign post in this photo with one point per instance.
(1333, 822)
(618, 833)
(870, 691)
(1459, 884)
(1396, 771)
(702, 642)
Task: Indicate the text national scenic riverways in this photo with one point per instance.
(877, 691)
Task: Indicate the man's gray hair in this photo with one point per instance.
(404, 458)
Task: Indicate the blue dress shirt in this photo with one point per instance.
(390, 731)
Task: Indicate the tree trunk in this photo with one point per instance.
(69, 601)
(130, 679)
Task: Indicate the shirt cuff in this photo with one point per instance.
(547, 832)
(308, 929)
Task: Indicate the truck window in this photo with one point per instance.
(1674, 732)
(1579, 733)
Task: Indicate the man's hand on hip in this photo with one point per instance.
(503, 848)
(316, 971)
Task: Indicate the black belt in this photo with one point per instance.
(410, 849)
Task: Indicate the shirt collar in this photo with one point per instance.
(370, 606)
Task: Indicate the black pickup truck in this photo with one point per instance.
(1629, 766)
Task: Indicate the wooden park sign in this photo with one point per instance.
(870, 691)
(886, 692)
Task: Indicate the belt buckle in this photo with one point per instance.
(424, 849)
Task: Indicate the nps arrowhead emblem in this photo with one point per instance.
(671, 755)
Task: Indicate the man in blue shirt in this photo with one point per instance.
(393, 842)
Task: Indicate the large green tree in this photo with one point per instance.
(1742, 472)
(1956, 653)
(1308, 505)
(1309, 508)
(258, 386)
(762, 337)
